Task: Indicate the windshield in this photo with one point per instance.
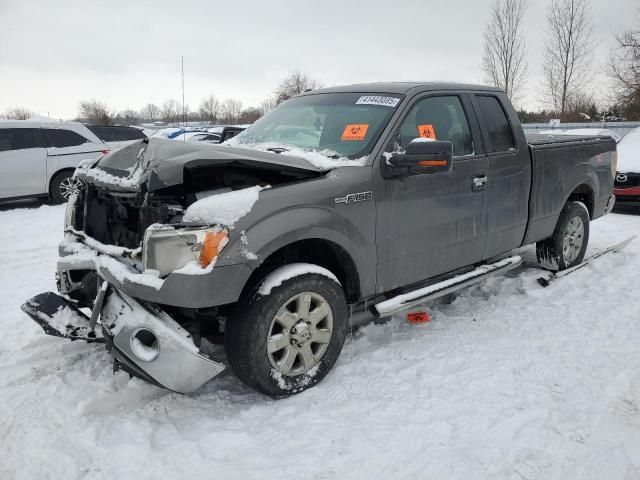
(334, 124)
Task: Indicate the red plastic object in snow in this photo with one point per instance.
(416, 318)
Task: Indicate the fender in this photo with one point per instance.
(550, 195)
(582, 174)
(290, 225)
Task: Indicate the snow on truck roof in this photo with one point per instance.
(400, 87)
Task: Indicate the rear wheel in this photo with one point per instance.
(286, 341)
(63, 186)
(568, 244)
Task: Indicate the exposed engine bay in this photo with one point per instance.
(121, 218)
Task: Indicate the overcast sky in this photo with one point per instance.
(127, 53)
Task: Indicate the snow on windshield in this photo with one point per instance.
(324, 160)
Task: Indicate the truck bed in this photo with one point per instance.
(563, 166)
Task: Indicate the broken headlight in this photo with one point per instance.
(166, 249)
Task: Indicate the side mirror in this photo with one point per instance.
(422, 156)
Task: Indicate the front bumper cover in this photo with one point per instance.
(169, 358)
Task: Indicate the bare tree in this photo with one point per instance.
(127, 116)
(249, 115)
(19, 113)
(150, 112)
(185, 113)
(231, 109)
(568, 49)
(293, 84)
(624, 68)
(171, 111)
(96, 112)
(209, 109)
(503, 57)
(267, 105)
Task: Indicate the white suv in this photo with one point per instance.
(37, 159)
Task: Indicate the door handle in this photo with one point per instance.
(479, 183)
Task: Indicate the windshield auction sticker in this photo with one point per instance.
(378, 100)
(355, 132)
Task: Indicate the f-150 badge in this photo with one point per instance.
(355, 197)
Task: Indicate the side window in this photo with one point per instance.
(59, 138)
(18, 139)
(495, 124)
(440, 118)
(129, 133)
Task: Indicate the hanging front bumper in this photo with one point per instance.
(143, 339)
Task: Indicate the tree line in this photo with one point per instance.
(211, 110)
(568, 70)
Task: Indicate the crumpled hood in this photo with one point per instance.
(162, 162)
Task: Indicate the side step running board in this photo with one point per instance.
(445, 287)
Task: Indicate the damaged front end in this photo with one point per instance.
(144, 340)
(134, 275)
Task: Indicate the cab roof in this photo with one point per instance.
(400, 87)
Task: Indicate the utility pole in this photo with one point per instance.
(184, 115)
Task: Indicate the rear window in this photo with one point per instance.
(495, 125)
(19, 139)
(117, 134)
(59, 138)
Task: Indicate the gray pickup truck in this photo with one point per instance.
(340, 205)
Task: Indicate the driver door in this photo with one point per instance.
(430, 224)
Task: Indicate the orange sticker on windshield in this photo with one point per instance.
(426, 131)
(355, 132)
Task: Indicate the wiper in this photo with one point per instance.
(277, 149)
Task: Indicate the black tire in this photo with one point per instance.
(59, 191)
(551, 253)
(252, 323)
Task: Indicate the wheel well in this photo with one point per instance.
(583, 193)
(319, 252)
(63, 170)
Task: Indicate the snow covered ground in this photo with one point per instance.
(508, 381)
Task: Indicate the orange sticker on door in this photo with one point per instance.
(426, 131)
(355, 132)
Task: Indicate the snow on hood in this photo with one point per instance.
(629, 152)
(225, 208)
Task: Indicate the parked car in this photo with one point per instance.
(206, 137)
(117, 136)
(341, 201)
(627, 183)
(589, 132)
(37, 159)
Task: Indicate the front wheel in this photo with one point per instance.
(285, 341)
(63, 186)
(568, 244)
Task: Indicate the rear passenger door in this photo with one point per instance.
(23, 162)
(509, 175)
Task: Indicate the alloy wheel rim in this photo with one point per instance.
(573, 240)
(300, 333)
(69, 186)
